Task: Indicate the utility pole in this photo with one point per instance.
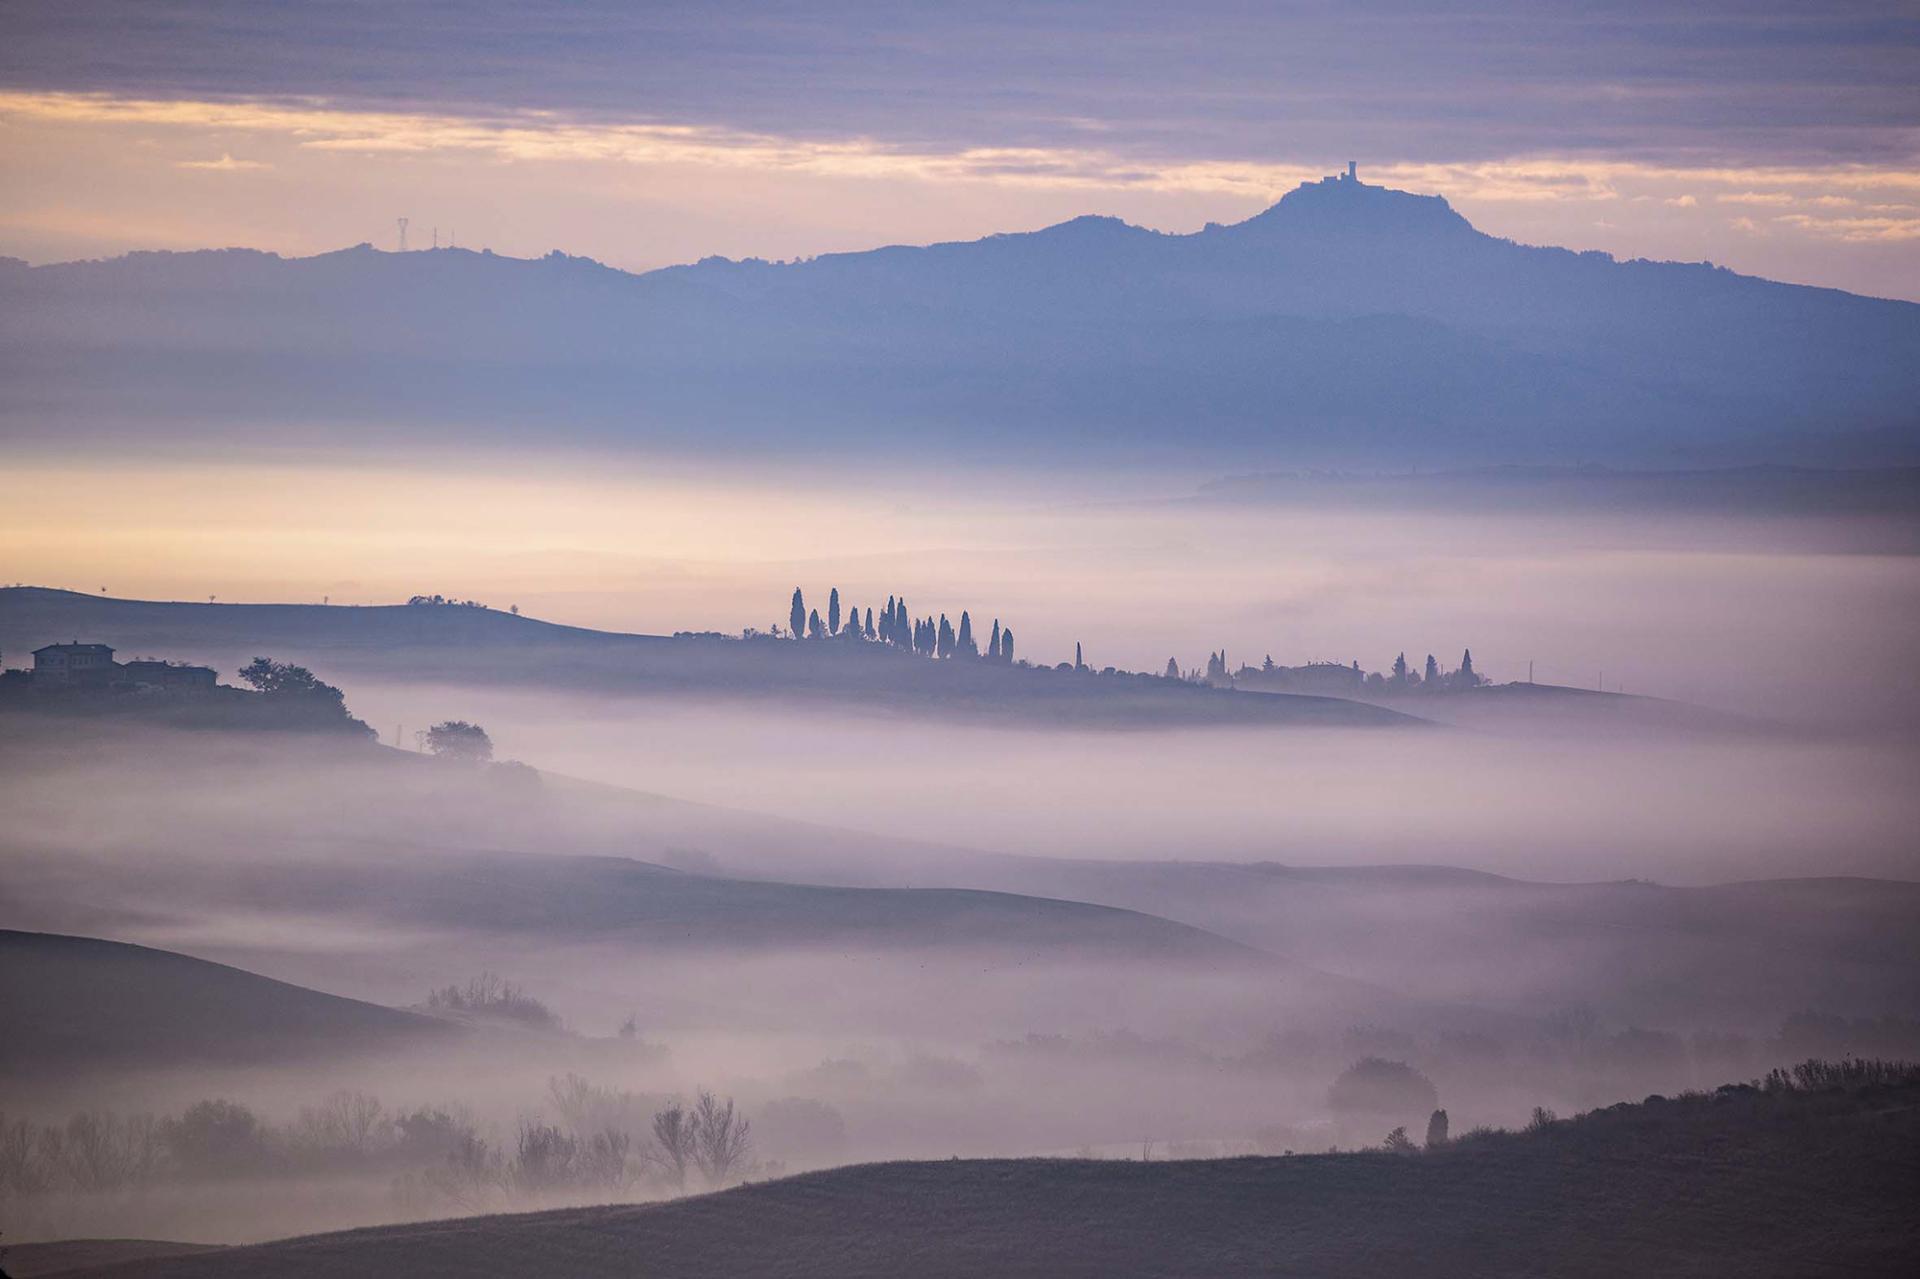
(403, 234)
(1529, 670)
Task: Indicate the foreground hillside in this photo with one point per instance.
(449, 643)
(1745, 1183)
(81, 1002)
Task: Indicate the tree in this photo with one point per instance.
(993, 642)
(797, 615)
(964, 645)
(720, 1139)
(1466, 678)
(1432, 679)
(1400, 671)
(673, 1133)
(1173, 669)
(1079, 661)
(833, 611)
(943, 639)
(1006, 646)
(1436, 1130)
(459, 740)
(871, 633)
(1398, 1143)
(1374, 1089)
(814, 629)
(283, 679)
(216, 1137)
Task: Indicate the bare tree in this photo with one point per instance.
(721, 1140)
(673, 1133)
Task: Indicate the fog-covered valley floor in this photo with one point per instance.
(891, 908)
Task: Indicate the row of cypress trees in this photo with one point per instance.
(924, 636)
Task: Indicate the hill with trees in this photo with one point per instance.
(447, 643)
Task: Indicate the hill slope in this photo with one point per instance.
(451, 643)
(1748, 1184)
(79, 1001)
(1349, 323)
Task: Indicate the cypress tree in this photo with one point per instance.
(964, 645)
(1467, 677)
(871, 633)
(1173, 669)
(833, 612)
(814, 629)
(1433, 672)
(1079, 662)
(1006, 645)
(1400, 670)
(993, 642)
(943, 639)
(797, 616)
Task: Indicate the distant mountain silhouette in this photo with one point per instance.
(1348, 322)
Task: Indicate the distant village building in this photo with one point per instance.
(74, 663)
(77, 663)
(158, 674)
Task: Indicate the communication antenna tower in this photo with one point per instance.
(436, 237)
(403, 234)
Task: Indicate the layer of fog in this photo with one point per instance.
(1533, 803)
(1768, 610)
(234, 848)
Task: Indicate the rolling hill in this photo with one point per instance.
(1744, 1183)
(1348, 324)
(80, 1002)
(450, 643)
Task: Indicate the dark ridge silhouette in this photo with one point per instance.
(1349, 322)
(1748, 1182)
(83, 1002)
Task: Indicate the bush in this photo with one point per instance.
(1850, 1072)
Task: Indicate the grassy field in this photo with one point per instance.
(1744, 1183)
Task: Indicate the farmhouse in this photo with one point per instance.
(92, 664)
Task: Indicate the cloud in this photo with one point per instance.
(225, 164)
(531, 137)
(1876, 230)
(1683, 202)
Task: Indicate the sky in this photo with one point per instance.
(1779, 139)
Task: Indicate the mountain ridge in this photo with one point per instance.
(1348, 322)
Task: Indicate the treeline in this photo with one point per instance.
(928, 636)
(1334, 676)
(589, 1142)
